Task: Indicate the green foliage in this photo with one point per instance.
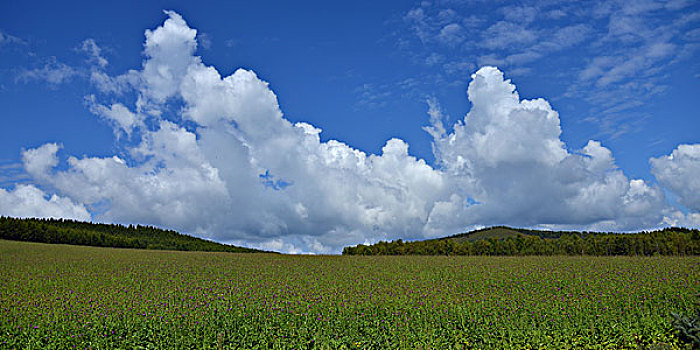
(61, 296)
(103, 235)
(508, 241)
(688, 327)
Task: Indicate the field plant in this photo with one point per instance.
(688, 327)
(66, 297)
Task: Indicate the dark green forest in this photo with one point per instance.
(503, 240)
(107, 235)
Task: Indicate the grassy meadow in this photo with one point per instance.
(60, 296)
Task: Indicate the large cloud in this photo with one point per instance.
(508, 158)
(228, 165)
(27, 201)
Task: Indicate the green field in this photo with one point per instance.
(58, 296)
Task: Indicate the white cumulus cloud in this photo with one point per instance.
(38, 161)
(508, 165)
(27, 201)
(679, 172)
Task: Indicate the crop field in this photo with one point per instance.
(57, 296)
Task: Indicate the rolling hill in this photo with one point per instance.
(497, 232)
(107, 235)
(503, 240)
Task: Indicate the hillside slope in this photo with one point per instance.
(502, 240)
(107, 235)
(496, 232)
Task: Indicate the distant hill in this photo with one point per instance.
(503, 232)
(106, 235)
(503, 240)
(498, 232)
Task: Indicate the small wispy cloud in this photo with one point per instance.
(204, 40)
(371, 96)
(8, 39)
(94, 52)
(53, 72)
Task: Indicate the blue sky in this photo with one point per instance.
(372, 76)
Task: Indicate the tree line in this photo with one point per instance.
(669, 241)
(66, 231)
